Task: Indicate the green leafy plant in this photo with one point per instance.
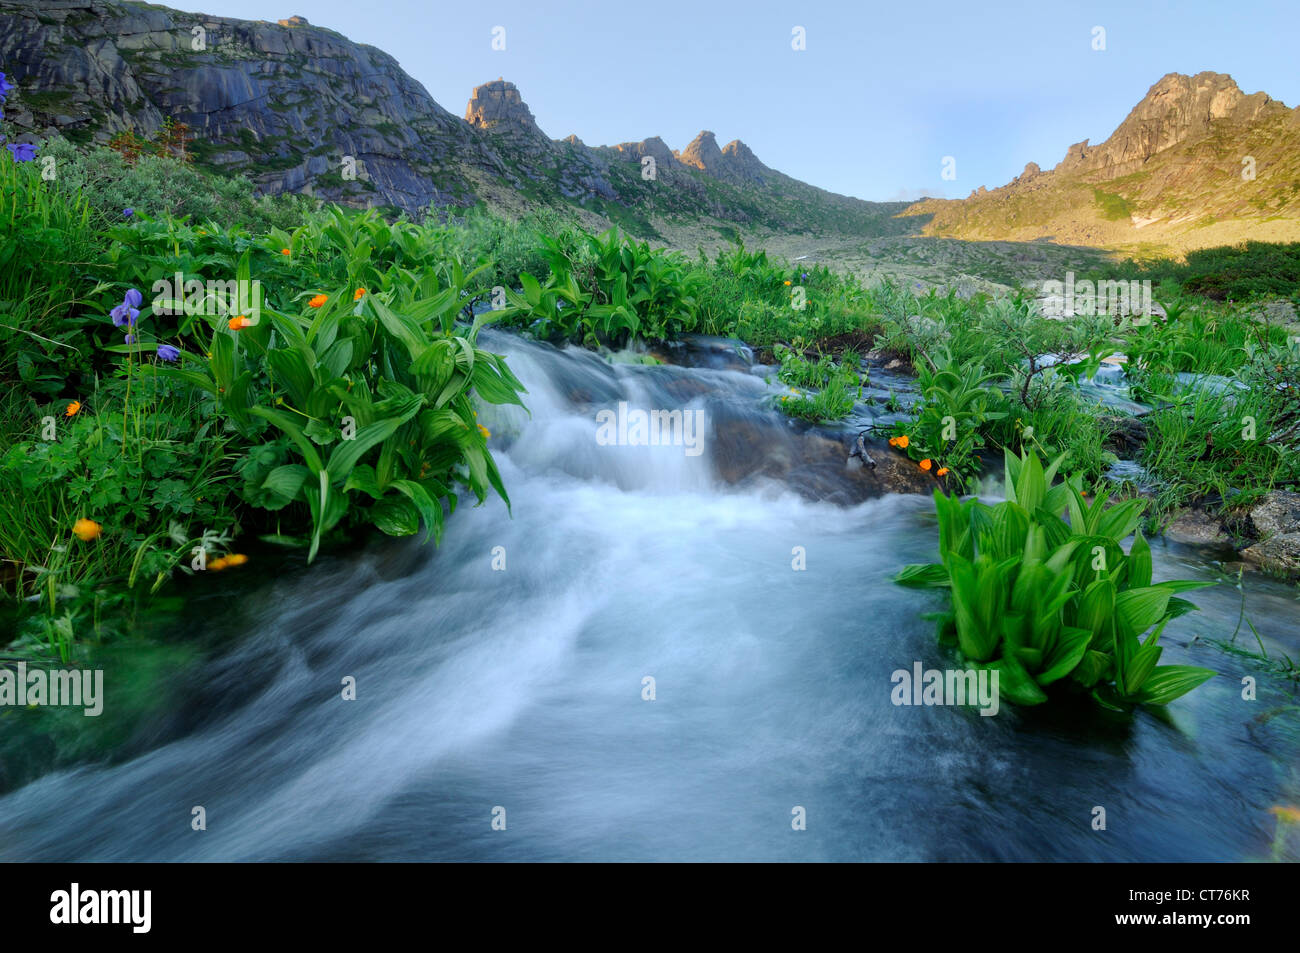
(951, 422)
(1041, 600)
(835, 388)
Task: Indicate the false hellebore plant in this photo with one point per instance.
(1041, 600)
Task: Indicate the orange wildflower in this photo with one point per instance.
(218, 564)
(787, 284)
(318, 301)
(484, 431)
(926, 464)
(86, 530)
(903, 441)
(285, 251)
(357, 295)
(236, 559)
(74, 408)
(238, 322)
(942, 471)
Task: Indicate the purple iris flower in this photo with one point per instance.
(130, 339)
(22, 151)
(168, 353)
(5, 86)
(133, 298)
(128, 212)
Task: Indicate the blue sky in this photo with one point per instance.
(880, 95)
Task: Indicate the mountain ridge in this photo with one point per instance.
(1196, 162)
(301, 108)
(284, 103)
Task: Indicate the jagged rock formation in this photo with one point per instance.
(703, 153)
(654, 147)
(1176, 109)
(498, 105)
(735, 162)
(1197, 162)
(283, 104)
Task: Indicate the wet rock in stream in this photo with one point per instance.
(814, 462)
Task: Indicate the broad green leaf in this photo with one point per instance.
(1168, 682)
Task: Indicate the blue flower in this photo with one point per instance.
(126, 312)
(124, 315)
(128, 212)
(130, 339)
(5, 86)
(23, 151)
(168, 353)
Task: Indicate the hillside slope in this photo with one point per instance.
(1175, 174)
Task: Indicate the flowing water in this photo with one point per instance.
(523, 688)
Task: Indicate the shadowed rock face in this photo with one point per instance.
(654, 147)
(283, 103)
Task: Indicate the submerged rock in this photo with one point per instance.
(702, 350)
(1279, 554)
(816, 463)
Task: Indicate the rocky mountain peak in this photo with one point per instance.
(1175, 109)
(703, 153)
(498, 104)
(654, 146)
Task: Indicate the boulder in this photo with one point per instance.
(1195, 527)
(1277, 514)
(1278, 554)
